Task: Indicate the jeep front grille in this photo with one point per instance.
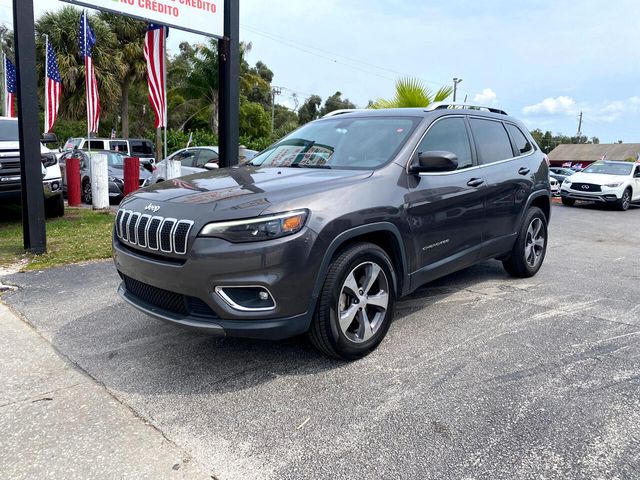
(168, 235)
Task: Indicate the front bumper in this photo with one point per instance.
(287, 267)
(601, 197)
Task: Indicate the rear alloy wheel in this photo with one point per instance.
(569, 202)
(86, 192)
(625, 202)
(530, 248)
(356, 303)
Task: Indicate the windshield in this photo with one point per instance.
(72, 143)
(8, 131)
(349, 143)
(113, 159)
(609, 168)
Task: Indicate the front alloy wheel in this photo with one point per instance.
(625, 202)
(363, 303)
(86, 192)
(530, 247)
(356, 302)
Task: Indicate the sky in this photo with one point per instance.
(542, 61)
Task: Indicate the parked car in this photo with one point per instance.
(142, 148)
(555, 186)
(195, 160)
(115, 164)
(10, 171)
(323, 231)
(560, 173)
(616, 183)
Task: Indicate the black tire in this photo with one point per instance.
(86, 192)
(325, 333)
(519, 264)
(625, 202)
(569, 202)
(54, 207)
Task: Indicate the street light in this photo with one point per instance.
(456, 81)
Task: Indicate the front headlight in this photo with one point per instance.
(48, 159)
(257, 229)
(613, 185)
(566, 182)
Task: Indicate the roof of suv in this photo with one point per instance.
(437, 108)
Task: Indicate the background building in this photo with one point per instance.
(582, 155)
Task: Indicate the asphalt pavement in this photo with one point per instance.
(481, 376)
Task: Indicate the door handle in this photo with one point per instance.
(475, 182)
(524, 171)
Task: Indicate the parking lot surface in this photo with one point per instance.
(481, 375)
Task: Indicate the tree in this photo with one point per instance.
(133, 67)
(411, 92)
(335, 102)
(285, 118)
(254, 121)
(63, 28)
(310, 109)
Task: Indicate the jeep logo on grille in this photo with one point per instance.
(152, 208)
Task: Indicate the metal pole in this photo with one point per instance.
(46, 90)
(86, 84)
(229, 81)
(4, 84)
(33, 219)
(166, 99)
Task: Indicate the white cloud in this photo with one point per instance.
(487, 97)
(553, 106)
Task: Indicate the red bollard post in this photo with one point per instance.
(131, 175)
(72, 171)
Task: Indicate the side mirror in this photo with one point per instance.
(211, 166)
(434, 161)
(49, 138)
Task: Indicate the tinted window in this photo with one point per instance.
(186, 157)
(205, 157)
(121, 147)
(142, 147)
(449, 135)
(522, 143)
(351, 143)
(93, 145)
(492, 141)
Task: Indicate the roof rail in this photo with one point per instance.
(343, 111)
(446, 105)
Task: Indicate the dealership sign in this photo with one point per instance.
(198, 16)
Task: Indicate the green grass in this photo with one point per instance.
(81, 235)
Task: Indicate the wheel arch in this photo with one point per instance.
(385, 235)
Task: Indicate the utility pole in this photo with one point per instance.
(579, 127)
(456, 81)
(274, 91)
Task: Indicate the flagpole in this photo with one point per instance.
(166, 99)
(86, 84)
(4, 83)
(46, 90)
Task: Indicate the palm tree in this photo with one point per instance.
(63, 28)
(130, 35)
(411, 92)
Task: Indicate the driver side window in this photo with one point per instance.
(449, 135)
(187, 157)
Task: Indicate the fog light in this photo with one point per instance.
(247, 298)
(54, 186)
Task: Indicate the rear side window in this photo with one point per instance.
(492, 141)
(523, 146)
(449, 135)
(118, 146)
(141, 147)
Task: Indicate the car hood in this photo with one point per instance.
(239, 192)
(119, 173)
(596, 178)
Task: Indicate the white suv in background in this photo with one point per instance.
(605, 181)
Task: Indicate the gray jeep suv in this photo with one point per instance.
(322, 232)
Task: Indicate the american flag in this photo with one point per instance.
(154, 44)
(87, 42)
(53, 90)
(10, 88)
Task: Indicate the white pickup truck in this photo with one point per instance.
(10, 186)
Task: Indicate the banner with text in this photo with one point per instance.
(197, 16)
